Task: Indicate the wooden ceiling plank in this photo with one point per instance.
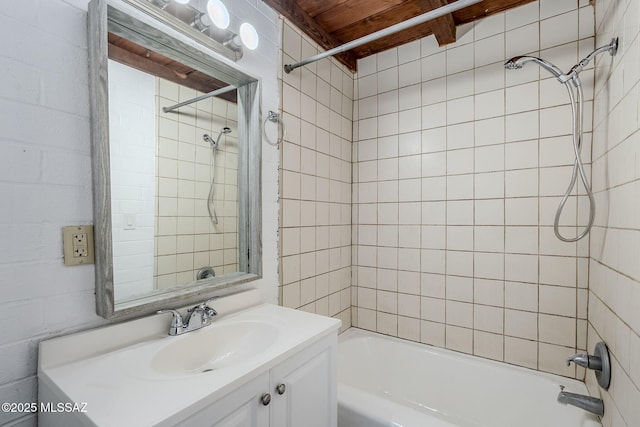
(290, 10)
(485, 8)
(444, 28)
(316, 7)
(354, 11)
(378, 22)
(409, 10)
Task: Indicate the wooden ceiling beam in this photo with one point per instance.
(444, 28)
(290, 10)
(353, 12)
(316, 7)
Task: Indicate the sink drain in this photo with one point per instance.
(206, 370)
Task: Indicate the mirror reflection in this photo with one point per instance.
(174, 174)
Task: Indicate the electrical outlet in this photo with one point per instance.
(77, 243)
(79, 239)
(80, 253)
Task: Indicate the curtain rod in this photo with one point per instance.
(420, 19)
(200, 98)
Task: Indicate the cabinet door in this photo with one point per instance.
(240, 408)
(309, 395)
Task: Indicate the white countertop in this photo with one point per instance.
(121, 389)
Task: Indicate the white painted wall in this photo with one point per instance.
(45, 178)
(132, 136)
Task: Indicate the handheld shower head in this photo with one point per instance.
(518, 62)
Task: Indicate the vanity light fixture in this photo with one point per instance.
(218, 13)
(211, 18)
(249, 36)
(201, 22)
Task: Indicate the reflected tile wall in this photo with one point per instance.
(186, 238)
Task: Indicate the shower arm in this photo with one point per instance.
(612, 48)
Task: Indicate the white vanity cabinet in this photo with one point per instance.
(263, 365)
(304, 388)
(240, 408)
(300, 391)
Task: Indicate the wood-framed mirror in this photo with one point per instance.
(176, 182)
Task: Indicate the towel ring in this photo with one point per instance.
(274, 117)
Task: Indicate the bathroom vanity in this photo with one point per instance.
(256, 365)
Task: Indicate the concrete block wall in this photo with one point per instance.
(45, 178)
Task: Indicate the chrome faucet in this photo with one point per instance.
(197, 317)
(588, 403)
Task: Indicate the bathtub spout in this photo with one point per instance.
(588, 403)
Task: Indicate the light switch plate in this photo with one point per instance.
(77, 242)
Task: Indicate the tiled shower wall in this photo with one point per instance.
(315, 181)
(458, 169)
(614, 281)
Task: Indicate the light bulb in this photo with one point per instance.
(249, 36)
(218, 13)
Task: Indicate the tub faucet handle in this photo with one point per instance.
(599, 362)
(586, 361)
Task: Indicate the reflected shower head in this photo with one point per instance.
(518, 62)
(225, 130)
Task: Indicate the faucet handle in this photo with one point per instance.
(209, 311)
(586, 361)
(176, 320)
(579, 359)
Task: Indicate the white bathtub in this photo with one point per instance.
(383, 382)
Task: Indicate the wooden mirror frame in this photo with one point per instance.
(105, 18)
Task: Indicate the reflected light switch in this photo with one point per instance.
(129, 221)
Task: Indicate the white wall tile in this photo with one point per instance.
(490, 50)
(475, 191)
(558, 29)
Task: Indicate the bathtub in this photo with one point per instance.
(384, 381)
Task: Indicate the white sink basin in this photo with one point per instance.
(214, 347)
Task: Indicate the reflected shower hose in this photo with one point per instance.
(210, 206)
(214, 147)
